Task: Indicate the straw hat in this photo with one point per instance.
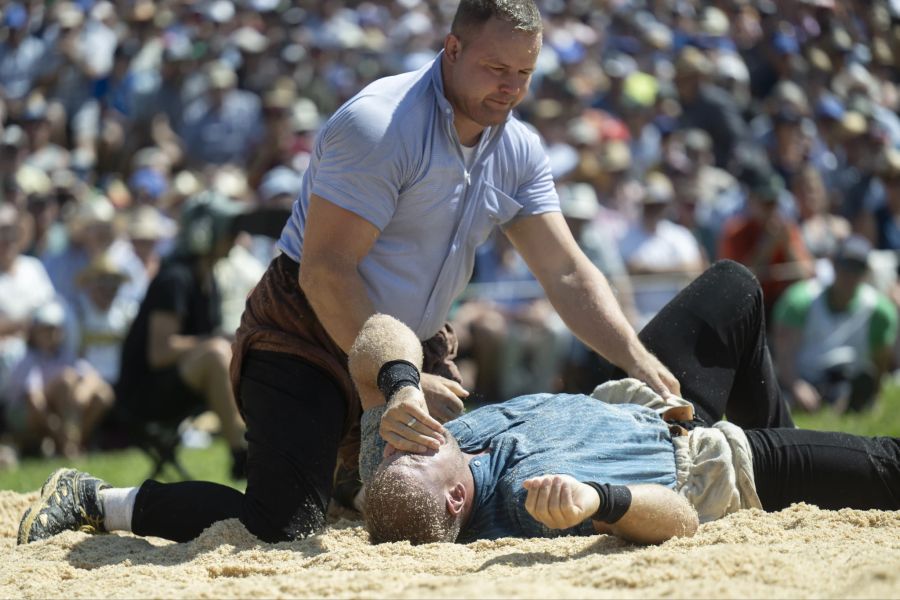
(101, 266)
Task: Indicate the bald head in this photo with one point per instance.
(411, 497)
(402, 505)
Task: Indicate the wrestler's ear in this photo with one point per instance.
(452, 46)
(456, 499)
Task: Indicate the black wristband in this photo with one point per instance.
(615, 500)
(396, 374)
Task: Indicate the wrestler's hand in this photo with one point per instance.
(443, 396)
(406, 424)
(651, 371)
(560, 501)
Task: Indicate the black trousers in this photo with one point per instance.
(294, 415)
(712, 337)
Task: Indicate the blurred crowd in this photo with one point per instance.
(680, 132)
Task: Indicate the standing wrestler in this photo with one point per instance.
(406, 180)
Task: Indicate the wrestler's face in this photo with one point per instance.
(489, 71)
(439, 466)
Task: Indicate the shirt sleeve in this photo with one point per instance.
(359, 167)
(536, 191)
(170, 290)
(883, 325)
(372, 445)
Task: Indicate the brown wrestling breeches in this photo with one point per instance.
(278, 318)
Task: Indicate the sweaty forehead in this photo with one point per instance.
(500, 41)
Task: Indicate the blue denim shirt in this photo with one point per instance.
(542, 434)
(391, 156)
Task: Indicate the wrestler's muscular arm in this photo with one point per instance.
(335, 242)
(655, 515)
(581, 295)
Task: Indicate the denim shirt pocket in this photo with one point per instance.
(495, 208)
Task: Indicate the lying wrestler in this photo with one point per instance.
(622, 461)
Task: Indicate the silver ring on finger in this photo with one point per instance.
(412, 422)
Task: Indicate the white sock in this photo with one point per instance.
(118, 507)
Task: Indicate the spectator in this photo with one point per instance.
(224, 125)
(174, 358)
(705, 195)
(881, 225)
(834, 343)
(103, 316)
(93, 231)
(55, 397)
(150, 233)
(707, 107)
(43, 153)
(662, 256)
(822, 230)
(24, 287)
(766, 241)
(79, 54)
(20, 57)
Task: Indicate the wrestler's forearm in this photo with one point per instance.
(585, 301)
(656, 514)
(371, 451)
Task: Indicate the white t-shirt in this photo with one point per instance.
(671, 248)
(25, 287)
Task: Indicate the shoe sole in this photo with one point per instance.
(34, 510)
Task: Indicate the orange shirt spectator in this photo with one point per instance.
(767, 242)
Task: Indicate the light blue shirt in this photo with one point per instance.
(391, 155)
(544, 434)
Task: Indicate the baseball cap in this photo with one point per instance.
(767, 187)
(658, 189)
(279, 181)
(15, 16)
(785, 43)
(578, 201)
(149, 181)
(830, 107)
(853, 252)
(692, 61)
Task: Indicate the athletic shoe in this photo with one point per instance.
(70, 500)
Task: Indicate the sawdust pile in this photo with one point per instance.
(799, 552)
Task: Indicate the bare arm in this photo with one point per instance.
(581, 295)
(405, 423)
(656, 513)
(12, 327)
(164, 344)
(335, 242)
(787, 344)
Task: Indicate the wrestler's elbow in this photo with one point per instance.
(657, 514)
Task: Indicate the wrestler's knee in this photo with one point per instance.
(735, 275)
(281, 506)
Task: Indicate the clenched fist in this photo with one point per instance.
(560, 501)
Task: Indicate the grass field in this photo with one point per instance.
(131, 467)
